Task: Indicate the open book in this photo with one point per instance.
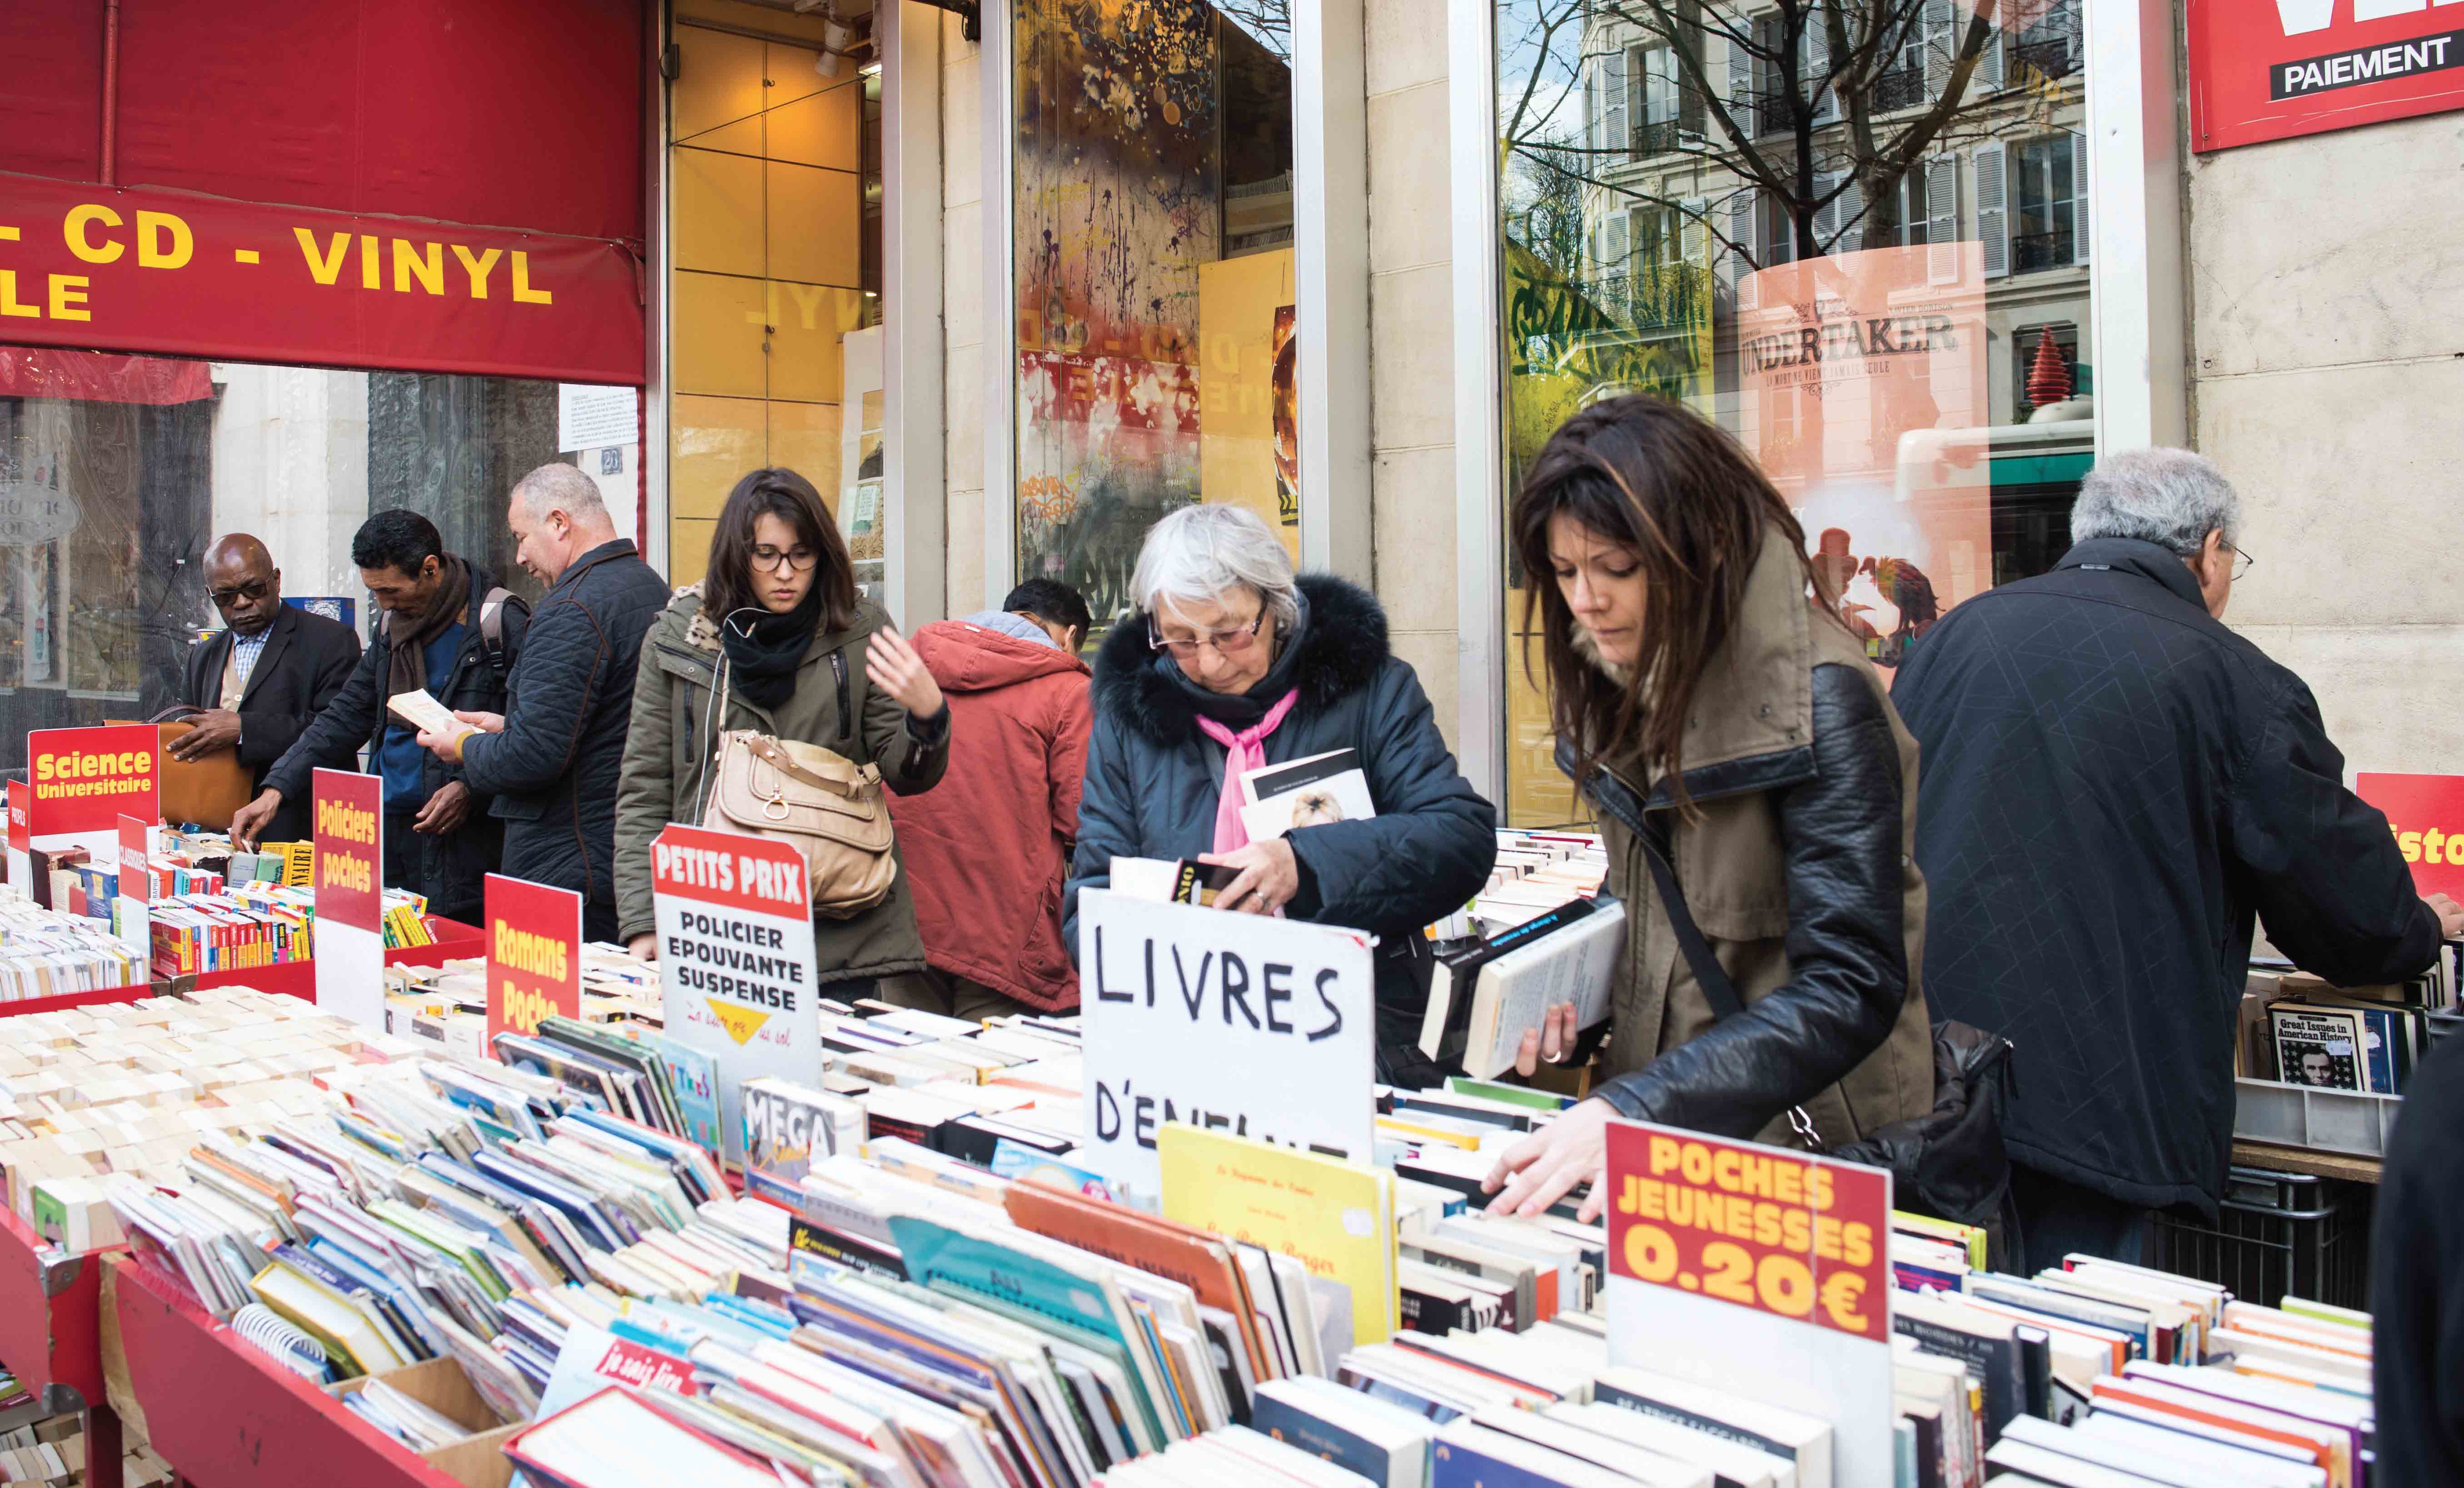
(1305, 792)
(421, 710)
(1483, 998)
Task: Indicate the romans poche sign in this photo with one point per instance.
(98, 266)
(737, 979)
(1260, 1027)
(1768, 1268)
(82, 780)
(534, 955)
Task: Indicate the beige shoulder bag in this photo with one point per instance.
(825, 805)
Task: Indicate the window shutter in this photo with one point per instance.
(1617, 139)
(1993, 208)
(1941, 219)
(1815, 64)
(1741, 82)
(1695, 242)
(1592, 109)
(1988, 76)
(2079, 197)
(1740, 232)
(1936, 31)
(1617, 266)
(1851, 217)
(1826, 217)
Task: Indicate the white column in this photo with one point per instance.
(2135, 224)
(914, 469)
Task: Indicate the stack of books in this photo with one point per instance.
(133, 1088)
(46, 952)
(1535, 873)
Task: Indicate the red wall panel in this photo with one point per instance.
(51, 87)
(506, 113)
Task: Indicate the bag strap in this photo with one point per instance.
(1708, 974)
(718, 724)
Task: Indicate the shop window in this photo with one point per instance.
(775, 224)
(117, 473)
(1155, 287)
(1874, 168)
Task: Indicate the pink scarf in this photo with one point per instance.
(1245, 751)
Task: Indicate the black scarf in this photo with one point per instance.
(765, 648)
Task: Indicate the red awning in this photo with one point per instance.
(101, 377)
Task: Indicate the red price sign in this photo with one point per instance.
(534, 955)
(2272, 69)
(350, 849)
(135, 882)
(2426, 815)
(1765, 1227)
(86, 779)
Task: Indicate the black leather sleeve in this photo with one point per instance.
(1846, 950)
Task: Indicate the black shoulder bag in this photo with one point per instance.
(1948, 1163)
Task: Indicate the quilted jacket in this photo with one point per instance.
(2114, 786)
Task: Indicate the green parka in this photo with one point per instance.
(835, 706)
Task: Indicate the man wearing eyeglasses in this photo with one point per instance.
(2112, 788)
(259, 682)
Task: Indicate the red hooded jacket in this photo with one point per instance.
(987, 849)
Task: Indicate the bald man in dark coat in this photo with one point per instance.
(257, 683)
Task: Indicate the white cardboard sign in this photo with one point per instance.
(736, 973)
(1261, 1027)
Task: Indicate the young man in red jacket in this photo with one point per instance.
(987, 850)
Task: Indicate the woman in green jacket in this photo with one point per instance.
(806, 658)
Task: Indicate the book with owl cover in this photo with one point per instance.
(1305, 792)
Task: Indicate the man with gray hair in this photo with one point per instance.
(2112, 787)
(551, 758)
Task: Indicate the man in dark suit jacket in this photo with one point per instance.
(259, 682)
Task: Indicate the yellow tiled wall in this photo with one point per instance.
(764, 220)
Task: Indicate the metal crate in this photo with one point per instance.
(2277, 1233)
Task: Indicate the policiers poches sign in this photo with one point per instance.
(1264, 1028)
(734, 918)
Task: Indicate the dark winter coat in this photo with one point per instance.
(1795, 866)
(835, 705)
(2114, 783)
(987, 850)
(453, 865)
(306, 660)
(2416, 1294)
(553, 771)
(1153, 780)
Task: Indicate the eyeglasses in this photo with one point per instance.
(253, 588)
(1227, 643)
(2241, 562)
(799, 559)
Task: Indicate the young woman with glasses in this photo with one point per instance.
(1231, 664)
(805, 657)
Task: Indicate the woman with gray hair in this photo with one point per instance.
(1232, 663)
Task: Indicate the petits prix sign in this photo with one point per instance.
(2273, 69)
(736, 971)
(93, 266)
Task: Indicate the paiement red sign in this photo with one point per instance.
(534, 954)
(94, 266)
(350, 849)
(2426, 814)
(1763, 1228)
(84, 779)
(2273, 69)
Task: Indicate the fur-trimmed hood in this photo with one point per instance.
(1338, 650)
